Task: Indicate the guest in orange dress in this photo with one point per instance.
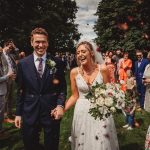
(126, 64)
(111, 67)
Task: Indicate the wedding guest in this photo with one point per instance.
(88, 133)
(131, 83)
(146, 81)
(130, 114)
(111, 68)
(110, 54)
(117, 59)
(140, 66)
(125, 65)
(130, 109)
(5, 75)
(9, 52)
(41, 89)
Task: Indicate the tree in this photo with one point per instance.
(19, 17)
(123, 24)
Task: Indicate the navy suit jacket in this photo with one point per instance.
(140, 70)
(36, 96)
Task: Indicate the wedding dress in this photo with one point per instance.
(88, 133)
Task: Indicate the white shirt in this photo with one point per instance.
(10, 69)
(36, 62)
(139, 62)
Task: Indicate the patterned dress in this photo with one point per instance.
(147, 94)
(88, 133)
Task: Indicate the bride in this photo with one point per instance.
(88, 133)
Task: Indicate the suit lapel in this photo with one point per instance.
(46, 73)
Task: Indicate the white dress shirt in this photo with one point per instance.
(36, 61)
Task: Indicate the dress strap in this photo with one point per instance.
(99, 67)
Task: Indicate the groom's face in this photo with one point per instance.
(39, 43)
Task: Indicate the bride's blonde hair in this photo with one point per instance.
(89, 47)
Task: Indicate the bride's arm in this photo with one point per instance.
(105, 73)
(73, 98)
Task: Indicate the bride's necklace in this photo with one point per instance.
(88, 73)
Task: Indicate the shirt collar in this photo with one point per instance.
(140, 60)
(43, 57)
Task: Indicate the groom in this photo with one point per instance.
(41, 90)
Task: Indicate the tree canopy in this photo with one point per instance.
(123, 24)
(19, 17)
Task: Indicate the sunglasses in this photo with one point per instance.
(138, 55)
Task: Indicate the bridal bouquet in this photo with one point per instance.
(105, 99)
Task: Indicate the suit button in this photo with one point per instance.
(40, 95)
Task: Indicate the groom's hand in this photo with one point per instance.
(58, 112)
(18, 121)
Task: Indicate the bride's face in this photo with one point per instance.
(84, 55)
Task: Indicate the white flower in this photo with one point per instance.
(101, 110)
(113, 109)
(51, 63)
(120, 104)
(105, 111)
(100, 101)
(92, 100)
(110, 92)
(102, 91)
(97, 92)
(108, 101)
(117, 95)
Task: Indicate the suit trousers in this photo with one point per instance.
(31, 136)
(2, 106)
(9, 98)
(141, 90)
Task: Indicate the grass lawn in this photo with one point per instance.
(128, 140)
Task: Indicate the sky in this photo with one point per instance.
(86, 19)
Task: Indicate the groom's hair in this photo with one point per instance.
(39, 31)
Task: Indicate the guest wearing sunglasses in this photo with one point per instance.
(140, 65)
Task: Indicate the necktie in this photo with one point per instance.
(40, 67)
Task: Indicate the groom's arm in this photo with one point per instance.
(19, 101)
(59, 110)
(62, 85)
(19, 81)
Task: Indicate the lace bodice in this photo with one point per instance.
(83, 87)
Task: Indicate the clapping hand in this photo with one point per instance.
(11, 75)
(57, 113)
